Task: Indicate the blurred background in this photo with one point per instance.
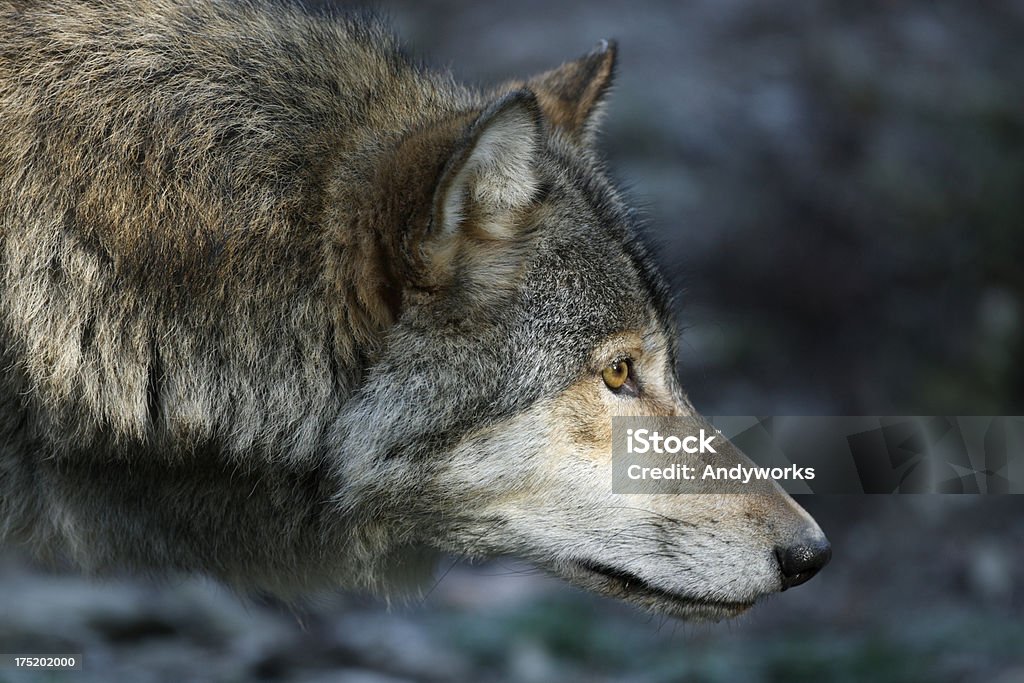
(837, 192)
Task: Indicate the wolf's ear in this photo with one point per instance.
(572, 95)
(491, 173)
(488, 178)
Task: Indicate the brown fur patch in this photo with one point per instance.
(571, 94)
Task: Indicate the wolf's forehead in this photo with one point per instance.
(592, 250)
(599, 281)
(592, 271)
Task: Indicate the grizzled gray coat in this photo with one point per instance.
(280, 305)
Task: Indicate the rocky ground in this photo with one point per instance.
(921, 589)
(837, 192)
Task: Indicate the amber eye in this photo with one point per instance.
(617, 374)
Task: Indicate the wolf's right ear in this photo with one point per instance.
(486, 183)
(491, 173)
(448, 202)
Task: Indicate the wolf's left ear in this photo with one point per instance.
(572, 96)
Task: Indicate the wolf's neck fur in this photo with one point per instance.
(218, 207)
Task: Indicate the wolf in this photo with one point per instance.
(282, 306)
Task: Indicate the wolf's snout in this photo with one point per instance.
(802, 560)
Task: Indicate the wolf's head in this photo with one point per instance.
(528, 314)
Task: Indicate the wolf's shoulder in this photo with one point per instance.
(181, 137)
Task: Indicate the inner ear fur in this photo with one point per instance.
(489, 180)
(448, 199)
(491, 172)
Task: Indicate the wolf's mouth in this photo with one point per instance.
(630, 587)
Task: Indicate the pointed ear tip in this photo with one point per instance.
(602, 60)
(607, 49)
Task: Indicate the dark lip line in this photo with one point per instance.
(632, 582)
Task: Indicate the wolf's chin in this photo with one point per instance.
(627, 586)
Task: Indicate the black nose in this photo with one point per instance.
(803, 560)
